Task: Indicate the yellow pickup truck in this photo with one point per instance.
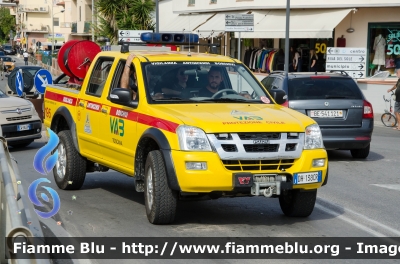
(201, 126)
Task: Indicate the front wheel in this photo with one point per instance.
(160, 200)
(295, 203)
(388, 120)
(70, 169)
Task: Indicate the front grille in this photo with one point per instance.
(258, 136)
(291, 147)
(261, 147)
(229, 147)
(257, 165)
(18, 118)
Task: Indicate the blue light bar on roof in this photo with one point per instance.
(169, 38)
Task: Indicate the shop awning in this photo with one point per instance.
(185, 23)
(311, 23)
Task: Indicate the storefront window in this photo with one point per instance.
(383, 47)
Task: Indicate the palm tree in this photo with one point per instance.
(115, 15)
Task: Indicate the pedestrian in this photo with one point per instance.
(2, 65)
(297, 61)
(26, 55)
(397, 99)
(313, 60)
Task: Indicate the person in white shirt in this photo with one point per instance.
(26, 55)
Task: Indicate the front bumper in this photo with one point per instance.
(11, 133)
(218, 178)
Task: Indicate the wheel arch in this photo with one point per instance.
(62, 120)
(154, 139)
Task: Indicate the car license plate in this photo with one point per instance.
(23, 127)
(308, 177)
(326, 113)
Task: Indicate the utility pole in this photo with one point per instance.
(157, 17)
(287, 49)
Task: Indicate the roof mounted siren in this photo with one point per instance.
(169, 38)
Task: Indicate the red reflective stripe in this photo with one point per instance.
(144, 119)
(60, 98)
(93, 106)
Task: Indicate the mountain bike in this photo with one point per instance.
(389, 118)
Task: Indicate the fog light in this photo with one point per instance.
(196, 165)
(318, 163)
(38, 130)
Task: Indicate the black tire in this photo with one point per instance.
(295, 203)
(360, 153)
(160, 200)
(20, 144)
(70, 169)
(388, 120)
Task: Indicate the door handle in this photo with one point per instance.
(104, 110)
(82, 104)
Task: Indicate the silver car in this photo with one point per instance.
(20, 123)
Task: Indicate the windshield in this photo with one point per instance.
(205, 82)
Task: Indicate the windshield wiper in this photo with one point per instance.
(225, 100)
(173, 99)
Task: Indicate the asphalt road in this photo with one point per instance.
(360, 200)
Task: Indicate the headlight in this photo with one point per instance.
(192, 139)
(313, 137)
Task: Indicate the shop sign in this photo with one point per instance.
(239, 22)
(349, 60)
(393, 41)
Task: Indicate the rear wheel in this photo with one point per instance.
(389, 120)
(160, 200)
(70, 169)
(360, 153)
(295, 203)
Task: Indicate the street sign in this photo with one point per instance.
(131, 36)
(350, 60)
(346, 51)
(38, 43)
(42, 79)
(19, 83)
(239, 22)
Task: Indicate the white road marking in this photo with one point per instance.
(349, 219)
(389, 186)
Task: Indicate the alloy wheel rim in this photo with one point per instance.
(149, 191)
(61, 165)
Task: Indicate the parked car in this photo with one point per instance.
(9, 50)
(9, 62)
(335, 101)
(20, 123)
(2, 53)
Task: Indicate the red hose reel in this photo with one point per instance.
(75, 57)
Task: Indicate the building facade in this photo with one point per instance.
(51, 22)
(314, 24)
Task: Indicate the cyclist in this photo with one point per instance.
(397, 101)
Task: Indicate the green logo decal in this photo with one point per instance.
(248, 117)
(117, 126)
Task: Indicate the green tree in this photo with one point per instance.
(114, 15)
(7, 23)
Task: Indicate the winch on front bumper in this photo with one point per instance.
(262, 184)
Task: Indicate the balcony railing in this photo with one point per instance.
(35, 28)
(66, 24)
(74, 27)
(33, 9)
(87, 27)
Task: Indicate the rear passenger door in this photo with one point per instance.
(89, 107)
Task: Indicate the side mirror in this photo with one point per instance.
(279, 95)
(123, 96)
(13, 60)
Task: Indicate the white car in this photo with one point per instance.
(20, 123)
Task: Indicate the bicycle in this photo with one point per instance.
(388, 118)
